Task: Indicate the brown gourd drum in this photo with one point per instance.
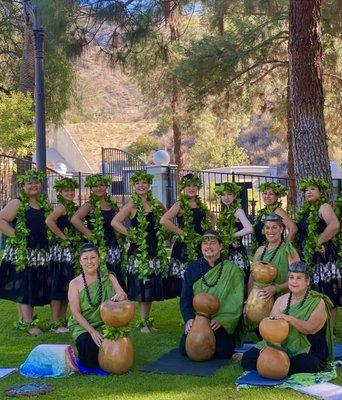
(200, 343)
(273, 363)
(116, 356)
(257, 308)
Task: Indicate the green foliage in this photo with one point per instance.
(143, 145)
(111, 333)
(17, 135)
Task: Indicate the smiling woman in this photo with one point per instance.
(23, 271)
(86, 293)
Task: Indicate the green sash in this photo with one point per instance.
(297, 342)
(229, 290)
(90, 313)
(280, 260)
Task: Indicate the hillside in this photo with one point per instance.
(107, 109)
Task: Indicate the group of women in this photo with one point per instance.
(42, 253)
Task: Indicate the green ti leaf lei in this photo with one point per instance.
(310, 245)
(191, 238)
(139, 234)
(96, 221)
(264, 212)
(21, 232)
(111, 333)
(226, 225)
(338, 211)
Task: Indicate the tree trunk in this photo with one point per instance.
(221, 12)
(172, 20)
(309, 142)
(292, 193)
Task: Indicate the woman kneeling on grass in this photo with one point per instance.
(86, 293)
(309, 343)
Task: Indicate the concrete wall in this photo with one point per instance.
(59, 138)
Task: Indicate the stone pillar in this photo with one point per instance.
(163, 184)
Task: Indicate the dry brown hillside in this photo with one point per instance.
(107, 110)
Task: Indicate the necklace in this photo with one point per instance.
(273, 254)
(87, 289)
(287, 309)
(210, 285)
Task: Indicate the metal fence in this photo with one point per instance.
(250, 195)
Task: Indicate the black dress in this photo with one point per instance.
(237, 253)
(113, 258)
(179, 261)
(29, 286)
(327, 274)
(152, 288)
(258, 232)
(61, 263)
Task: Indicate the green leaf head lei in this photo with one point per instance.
(97, 180)
(65, 183)
(141, 176)
(313, 220)
(278, 189)
(96, 218)
(21, 232)
(226, 225)
(322, 184)
(190, 179)
(139, 234)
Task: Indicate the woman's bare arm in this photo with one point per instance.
(78, 219)
(167, 218)
(247, 226)
(7, 215)
(118, 221)
(51, 221)
(327, 213)
(290, 225)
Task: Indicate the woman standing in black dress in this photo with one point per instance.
(93, 219)
(271, 193)
(233, 225)
(193, 218)
(23, 270)
(317, 228)
(147, 258)
(62, 251)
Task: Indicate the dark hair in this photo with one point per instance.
(299, 266)
(88, 247)
(187, 176)
(274, 218)
(211, 233)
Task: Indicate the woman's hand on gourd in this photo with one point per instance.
(97, 337)
(188, 325)
(119, 296)
(267, 292)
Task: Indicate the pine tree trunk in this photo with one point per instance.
(172, 20)
(309, 142)
(292, 193)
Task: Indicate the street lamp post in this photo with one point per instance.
(39, 94)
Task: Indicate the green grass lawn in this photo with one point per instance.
(16, 345)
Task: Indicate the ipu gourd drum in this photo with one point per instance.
(200, 342)
(257, 308)
(272, 362)
(116, 356)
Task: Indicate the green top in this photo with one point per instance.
(229, 290)
(90, 313)
(280, 260)
(297, 342)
